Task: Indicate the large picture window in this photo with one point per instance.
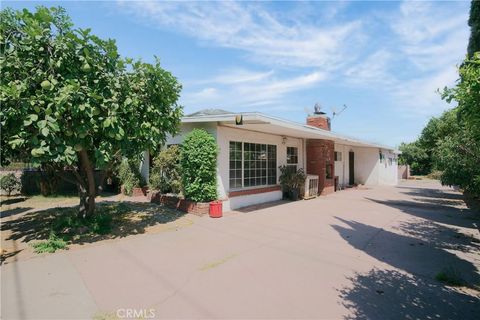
(259, 164)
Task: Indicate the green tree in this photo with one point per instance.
(467, 94)
(474, 23)
(68, 98)
(416, 157)
(420, 153)
(459, 154)
(199, 152)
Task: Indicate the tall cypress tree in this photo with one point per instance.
(474, 23)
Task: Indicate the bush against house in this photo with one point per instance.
(199, 153)
(129, 176)
(165, 175)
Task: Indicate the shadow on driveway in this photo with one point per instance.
(434, 211)
(389, 294)
(405, 252)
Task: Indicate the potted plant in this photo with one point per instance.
(285, 180)
(291, 181)
(297, 182)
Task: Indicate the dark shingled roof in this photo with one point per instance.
(208, 112)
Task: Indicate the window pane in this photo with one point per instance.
(272, 164)
(235, 179)
(255, 164)
(292, 155)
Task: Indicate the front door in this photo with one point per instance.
(351, 166)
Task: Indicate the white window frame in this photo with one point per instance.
(243, 166)
(291, 164)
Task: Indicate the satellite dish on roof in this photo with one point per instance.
(317, 108)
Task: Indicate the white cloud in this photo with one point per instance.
(254, 89)
(421, 97)
(237, 75)
(428, 42)
(251, 28)
(373, 70)
(206, 94)
(402, 53)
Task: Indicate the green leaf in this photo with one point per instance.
(107, 123)
(37, 152)
(45, 131)
(42, 124)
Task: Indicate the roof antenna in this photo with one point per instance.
(335, 113)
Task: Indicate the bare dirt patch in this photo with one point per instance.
(26, 221)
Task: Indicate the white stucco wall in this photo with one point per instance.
(341, 167)
(388, 169)
(224, 135)
(368, 169)
(227, 134)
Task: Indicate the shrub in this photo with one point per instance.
(450, 276)
(165, 175)
(129, 176)
(10, 183)
(51, 245)
(199, 166)
(435, 175)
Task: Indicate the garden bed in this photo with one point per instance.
(178, 203)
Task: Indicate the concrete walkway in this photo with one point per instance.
(368, 254)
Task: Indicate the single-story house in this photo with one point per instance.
(253, 146)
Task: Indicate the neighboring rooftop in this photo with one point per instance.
(208, 112)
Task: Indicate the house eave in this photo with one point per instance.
(256, 121)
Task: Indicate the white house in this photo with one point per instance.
(253, 145)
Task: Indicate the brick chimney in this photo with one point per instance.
(319, 120)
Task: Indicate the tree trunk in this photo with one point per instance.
(87, 190)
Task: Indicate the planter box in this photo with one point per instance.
(136, 192)
(174, 202)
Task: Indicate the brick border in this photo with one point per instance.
(253, 191)
(188, 206)
(136, 192)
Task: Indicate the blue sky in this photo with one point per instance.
(383, 59)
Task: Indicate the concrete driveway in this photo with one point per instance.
(368, 254)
